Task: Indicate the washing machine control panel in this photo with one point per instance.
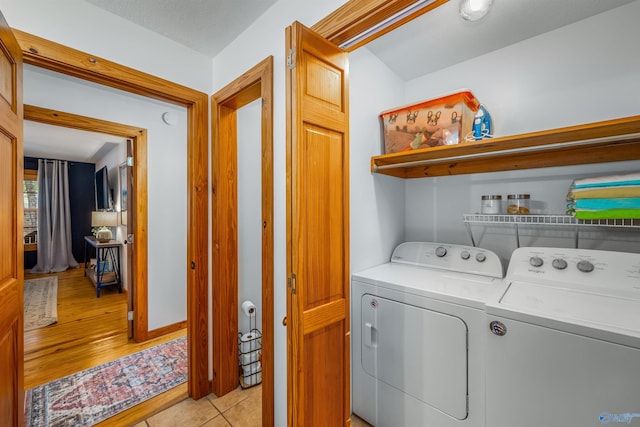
(459, 258)
(577, 268)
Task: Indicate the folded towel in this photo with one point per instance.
(609, 214)
(601, 204)
(608, 181)
(605, 192)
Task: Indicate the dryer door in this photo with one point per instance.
(420, 352)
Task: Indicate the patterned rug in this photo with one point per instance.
(40, 302)
(93, 395)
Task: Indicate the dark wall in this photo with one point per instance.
(81, 203)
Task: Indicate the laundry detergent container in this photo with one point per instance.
(442, 121)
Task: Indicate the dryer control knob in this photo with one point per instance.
(559, 264)
(480, 257)
(585, 266)
(465, 255)
(536, 261)
(441, 251)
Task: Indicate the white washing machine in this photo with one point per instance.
(418, 335)
(563, 342)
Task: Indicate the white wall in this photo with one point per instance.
(86, 27)
(167, 178)
(249, 119)
(577, 74)
(80, 25)
(264, 38)
(377, 201)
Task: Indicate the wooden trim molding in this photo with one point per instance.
(63, 59)
(174, 327)
(139, 138)
(257, 83)
(358, 16)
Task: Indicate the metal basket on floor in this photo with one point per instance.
(250, 358)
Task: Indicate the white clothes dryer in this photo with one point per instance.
(418, 335)
(563, 340)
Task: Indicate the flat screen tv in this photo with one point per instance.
(102, 189)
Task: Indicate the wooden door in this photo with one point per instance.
(11, 244)
(317, 231)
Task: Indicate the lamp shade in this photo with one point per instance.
(104, 218)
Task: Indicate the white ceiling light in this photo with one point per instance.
(473, 10)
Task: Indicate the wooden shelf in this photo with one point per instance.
(607, 141)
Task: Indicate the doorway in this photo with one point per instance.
(138, 137)
(255, 84)
(52, 56)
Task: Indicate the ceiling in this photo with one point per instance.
(441, 38)
(206, 26)
(54, 142)
(434, 41)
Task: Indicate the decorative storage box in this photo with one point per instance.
(441, 121)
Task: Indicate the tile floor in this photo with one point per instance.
(240, 408)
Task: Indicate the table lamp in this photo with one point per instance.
(104, 219)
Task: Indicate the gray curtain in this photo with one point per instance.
(54, 218)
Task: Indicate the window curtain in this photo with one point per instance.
(54, 218)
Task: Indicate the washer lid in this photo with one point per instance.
(571, 310)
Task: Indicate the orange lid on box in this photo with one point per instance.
(465, 96)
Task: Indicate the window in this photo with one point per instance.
(30, 197)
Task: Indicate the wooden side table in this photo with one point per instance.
(107, 258)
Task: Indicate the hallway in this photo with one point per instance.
(90, 331)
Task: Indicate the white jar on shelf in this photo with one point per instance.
(491, 204)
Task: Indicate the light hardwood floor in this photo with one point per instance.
(90, 331)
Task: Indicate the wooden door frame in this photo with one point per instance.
(139, 284)
(357, 17)
(257, 83)
(63, 59)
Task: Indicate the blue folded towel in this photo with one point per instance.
(599, 204)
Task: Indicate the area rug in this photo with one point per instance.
(40, 302)
(93, 395)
